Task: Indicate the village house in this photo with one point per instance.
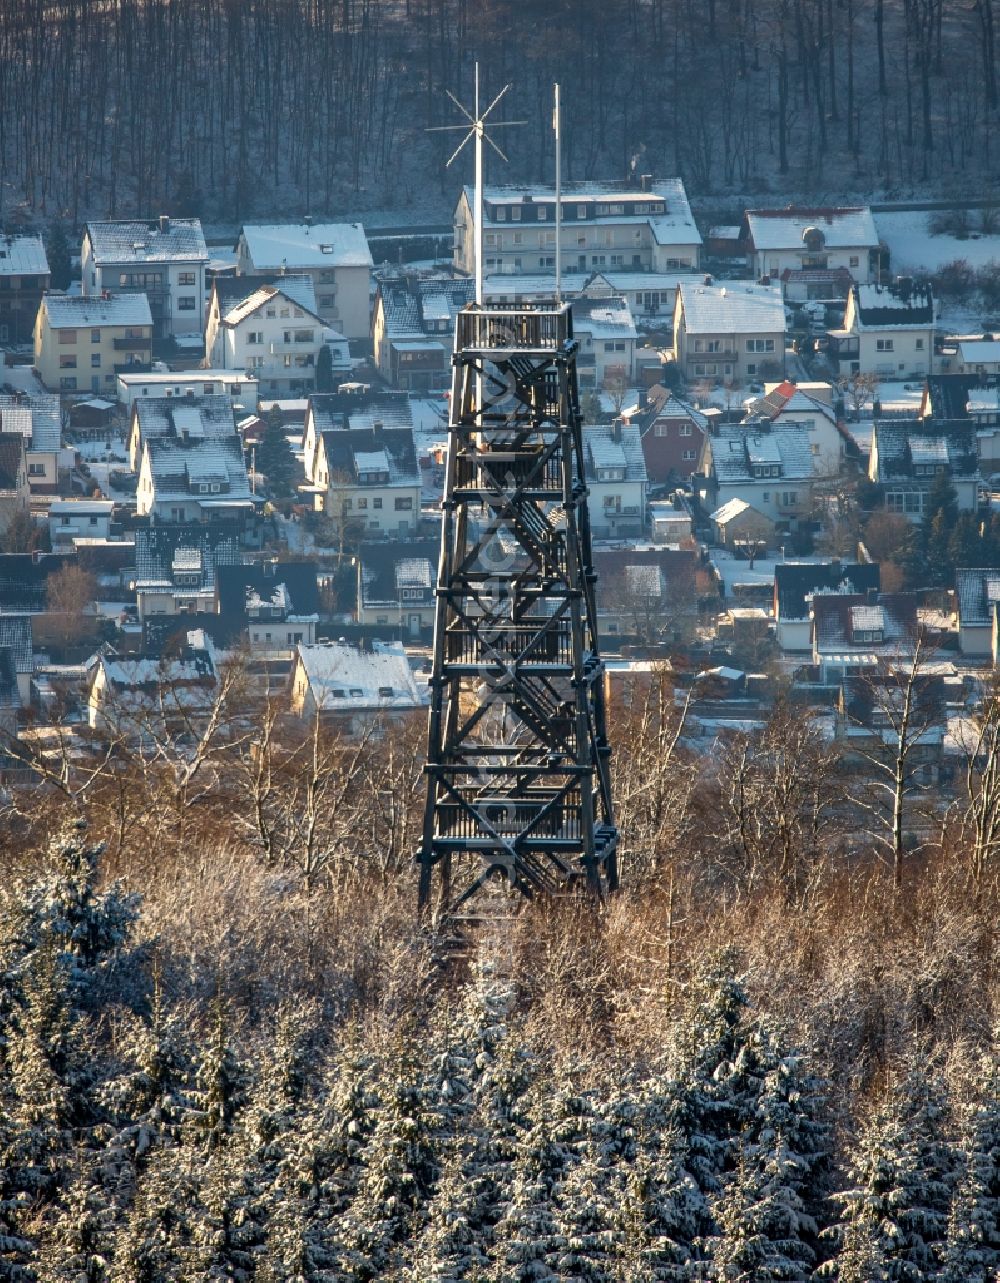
(82, 344)
(271, 331)
(413, 329)
(967, 398)
(977, 591)
(272, 605)
(359, 406)
(854, 633)
(605, 331)
(977, 354)
(649, 295)
(240, 387)
(672, 437)
(736, 524)
(816, 254)
(888, 331)
(352, 688)
(647, 595)
(907, 455)
(335, 256)
(868, 713)
(146, 700)
(785, 405)
(37, 418)
(733, 332)
(772, 470)
(366, 480)
(645, 228)
(797, 582)
(197, 418)
(176, 565)
(24, 278)
(164, 260)
(396, 585)
(71, 519)
(15, 495)
(188, 475)
(16, 641)
(616, 478)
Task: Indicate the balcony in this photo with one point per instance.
(134, 367)
(133, 345)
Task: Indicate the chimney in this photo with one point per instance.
(307, 219)
(377, 426)
(871, 596)
(876, 408)
(904, 285)
(646, 182)
(164, 223)
(616, 430)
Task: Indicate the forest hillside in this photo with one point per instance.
(229, 1050)
(231, 110)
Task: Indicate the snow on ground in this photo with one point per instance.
(913, 248)
(736, 570)
(22, 378)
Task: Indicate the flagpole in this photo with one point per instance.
(557, 128)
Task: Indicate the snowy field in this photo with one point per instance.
(913, 248)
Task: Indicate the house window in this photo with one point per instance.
(760, 345)
(515, 214)
(67, 384)
(543, 213)
(36, 470)
(501, 215)
(884, 345)
(95, 336)
(661, 430)
(855, 260)
(67, 363)
(186, 303)
(685, 429)
(404, 505)
(688, 456)
(95, 360)
(67, 337)
(581, 211)
(362, 503)
(919, 344)
(185, 278)
(255, 336)
(376, 503)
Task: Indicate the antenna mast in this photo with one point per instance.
(557, 130)
(476, 128)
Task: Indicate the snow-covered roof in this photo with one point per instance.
(199, 418)
(977, 590)
(168, 240)
(273, 245)
(735, 453)
(23, 256)
(928, 450)
(881, 307)
(157, 377)
(606, 318)
(345, 679)
(37, 419)
(175, 467)
(867, 619)
(72, 311)
(644, 580)
(81, 507)
(413, 572)
(983, 401)
(734, 308)
(778, 229)
(298, 291)
(672, 226)
(601, 450)
(979, 351)
(732, 508)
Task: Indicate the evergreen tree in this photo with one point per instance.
(275, 458)
(79, 1242)
(324, 370)
(971, 1252)
(526, 1238)
(453, 1244)
(589, 1233)
(399, 1166)
(966, 545)
(220, 1086)
(894, 1214)
(58, 254)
